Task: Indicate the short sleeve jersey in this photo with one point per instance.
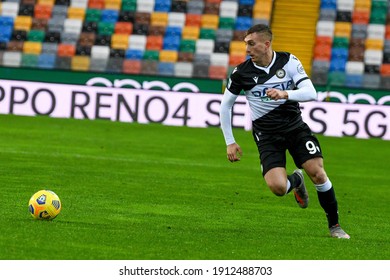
(285, 73)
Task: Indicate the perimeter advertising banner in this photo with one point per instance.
(178, 108)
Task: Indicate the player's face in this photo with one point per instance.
(257, 47)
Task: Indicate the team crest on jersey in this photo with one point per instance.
(280, 73)
(300, 69)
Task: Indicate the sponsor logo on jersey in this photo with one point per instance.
(280, 73)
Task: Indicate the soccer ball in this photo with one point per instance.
(44, 205)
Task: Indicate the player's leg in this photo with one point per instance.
(326, 195)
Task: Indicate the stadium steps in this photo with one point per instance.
(294, 26)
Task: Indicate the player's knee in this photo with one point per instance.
(319, 177)
(278, 189)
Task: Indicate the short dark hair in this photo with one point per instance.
(260, 28)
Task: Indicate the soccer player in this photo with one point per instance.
(274, 83)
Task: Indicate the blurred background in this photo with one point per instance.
(344, 45)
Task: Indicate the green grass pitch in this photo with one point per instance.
(153, 192)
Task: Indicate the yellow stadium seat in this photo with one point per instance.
(80, 63)
(23, 23)
(342, 29)
(237, 48)
(364, 5)
(112, 4)
(159, 18)
(262, 10)
(32, 47)
(210, 21)
(374, 44)
(76, 13)
(168, 56)
(120, 41)
(46, 2)
(190, 32)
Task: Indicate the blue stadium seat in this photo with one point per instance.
(46, 60)
(109, 16)
(339, 53)
(329, 4)
(6, 21)
(337, 65)
(173, 31)
(166, 68)
(243, 23)
(354, 81)
(162, 5)
(134, 54)
(246, 2)
(171, 43)
(5, 33)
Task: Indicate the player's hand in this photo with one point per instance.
(233, 152)
(276, 94)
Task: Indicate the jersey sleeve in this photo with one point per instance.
(296, 70)
(233, 84)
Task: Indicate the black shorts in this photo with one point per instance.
(300, 142)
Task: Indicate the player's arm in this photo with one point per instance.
(304, 88)
(233, 150)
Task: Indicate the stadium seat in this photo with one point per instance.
(359, 31)
(83, 50)
(183, 69)
(63, 62)
(29, 60)
(385, 69)
(195, 7)
(166, 68)
(113, 5)
(205, 46)
(15, 46)
(202, 58)
(143, 18)
(325, 28)
(46, 60)
(237, 48)
(80, 63)
(328, 15)
(187, 45)
(185, 57)
(243, 23)
(129, 5)
(56, 24)
(354, 68)
(5, 33)
(176, 19)
(179, 6)
(72, 25)
(26, 10)
(12, 59)
(140, 29)
(76, 13)
(228, 9)
(206, 33)
(131, 66)
(145, 6)
(223, 35)
(221, 47)
(235, 59)
(159, 18)
(50, 48)
(373, 57)
(193, 20)
(66, 50)
(217, 72)
(210, 21)
(69, 38)
(371, 81)
(32, 47)
(374, 44)
(115, 65)
(52, 37)
(156, 30)
(361, 17)
(132, 54)
(120, 41)
(42, 11)
(343, 29)
(23, 23)
(96, 64)
(376, 31)
(154, 42)
(137, 42)
(171, 42)
(151, 55)
(201, 71)
(219, 59)
(190, 32)
(149, 67)
(9, 9)
(211, 8)
(162, 5)
(226, 23)
(39, 24)
(353, 81)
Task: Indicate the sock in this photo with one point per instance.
(328, 202)
(294, 180)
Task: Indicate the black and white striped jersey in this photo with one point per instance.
(285, 72)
